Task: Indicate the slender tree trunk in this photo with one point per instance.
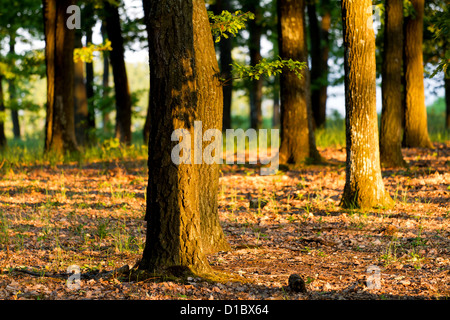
(105, 80)
(447, 102)
(225, 49)
(123, 98)
(364, 186)
(90, 91)
(297, 134)
(147, 124)
(80, 98)
(12, 91)
(60, 124)
(182, 199)
(3, 142)
(392, 113)
(416, 129)
(319, 63)
(255, 31)
(276, 103)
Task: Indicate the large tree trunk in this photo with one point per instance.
(3, 142)
(319, 36)
(60, 124)
(122, 90)
(416, 129)
(364, 185)
(12, 91)
(254, 45)
(392, 112)
(80, 98)
(297, 134)
(182, 199)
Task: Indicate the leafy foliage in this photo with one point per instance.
(86, 54)
(268, 68)
(228, 22)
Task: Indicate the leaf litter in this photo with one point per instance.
(282, 225)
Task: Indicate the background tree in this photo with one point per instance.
(416, 127)
(3, 142)
(297, 134)
(225, 47)
(319, 38)
(59, 46)
(121, 87)
(392, 112)
(184, 87)
(255, 31)
(364, 186)
(80, 98)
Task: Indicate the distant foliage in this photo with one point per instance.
(86, 54)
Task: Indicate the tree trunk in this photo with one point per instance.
(225, 49)
(60, 124)
(447, 102)
(416, 129)
(319, 63)
(297, 134)
(254, 45)
(392, 113)
(276, 103)
(90, 90)
(182, 210)
(105, 80)
(123, 98)
(80, 98)
(147, 124)
(364, 186)
(3, 142)
(12, 91)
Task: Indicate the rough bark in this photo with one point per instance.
(3, 142)
(319, 37)
(60, 124)
(121, 88)
(297, 134)
(416, 129)
(181, 199)
(392, 109)
(80, 99)
(364, 187)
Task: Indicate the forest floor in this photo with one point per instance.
(91, 215)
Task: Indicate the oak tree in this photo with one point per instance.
(364, 186)
(59, 46)
(392, 108)
(182, 210)
(297, 134)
